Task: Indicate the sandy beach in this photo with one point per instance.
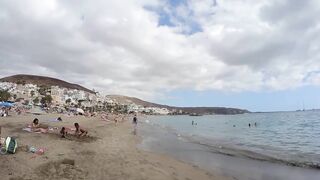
(110, 152)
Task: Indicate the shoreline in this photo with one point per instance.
(110, 153)
(237, 166)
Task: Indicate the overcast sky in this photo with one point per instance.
(178, 52)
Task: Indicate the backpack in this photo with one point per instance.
(11, 145)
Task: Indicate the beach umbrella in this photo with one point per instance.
(6, 104)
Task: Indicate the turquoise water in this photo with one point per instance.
(288, 137)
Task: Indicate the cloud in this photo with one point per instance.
(146, 48)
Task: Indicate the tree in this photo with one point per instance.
(43, 90)
(46, 100)
(4, 95)
(36, 100)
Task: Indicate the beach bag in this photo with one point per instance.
(11, 145)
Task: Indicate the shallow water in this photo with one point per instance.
(278, 142)
(293, 137)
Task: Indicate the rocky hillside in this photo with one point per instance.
(186, 110)
(42, 81)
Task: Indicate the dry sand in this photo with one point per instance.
(109, 153)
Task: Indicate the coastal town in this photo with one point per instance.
(61, 99)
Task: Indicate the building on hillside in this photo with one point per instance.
(7, 86)
(57, 95)
(86, 104)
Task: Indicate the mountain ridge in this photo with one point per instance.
(187, 110)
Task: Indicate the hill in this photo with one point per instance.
(43, 81)
(187, 110)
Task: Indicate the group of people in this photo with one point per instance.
(255, 124)
(77, 130)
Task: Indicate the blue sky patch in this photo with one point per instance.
(168, 16)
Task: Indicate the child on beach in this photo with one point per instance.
(79, 131)
(63, 132)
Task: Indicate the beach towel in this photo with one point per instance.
(30, 130)
(27, 129)
(53, 120)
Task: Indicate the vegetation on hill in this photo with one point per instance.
(4, 95)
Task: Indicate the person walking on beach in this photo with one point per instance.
(135, 123)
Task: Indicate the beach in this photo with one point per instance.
(109, 152)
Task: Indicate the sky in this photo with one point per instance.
(258, 55)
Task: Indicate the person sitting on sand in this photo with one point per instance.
(63, 132)
(35, 127)
(35, 123)
(79, 131)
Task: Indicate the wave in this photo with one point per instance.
(237, 152)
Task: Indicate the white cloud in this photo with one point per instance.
(119, 47)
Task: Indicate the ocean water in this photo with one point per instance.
(289, 138)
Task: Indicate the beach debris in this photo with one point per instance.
(38, 151)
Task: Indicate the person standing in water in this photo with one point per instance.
(135, 123)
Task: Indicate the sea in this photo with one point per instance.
(279, 145)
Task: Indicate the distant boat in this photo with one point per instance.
(195, 114)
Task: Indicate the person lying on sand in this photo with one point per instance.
(79, 131)
(35, 127)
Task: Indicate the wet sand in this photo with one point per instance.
(110, 152)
